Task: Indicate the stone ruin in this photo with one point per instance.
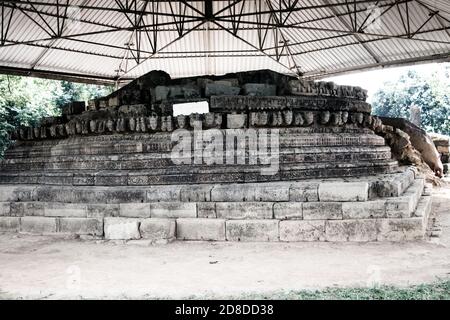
(292, 160)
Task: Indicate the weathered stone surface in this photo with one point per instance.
(251, 192)
(343, 191)
(157, 229)
(163, 193)
(423, 207)
(236, 121)
(252, 230)
(313, 230)
(244, 210)
(288, 210)
(259, 89)
(53, 209)
(401, 229)
(351, 230)
(38, 225)
(400, 207)
(304, 192)
(100, 210)
(322, 210)
(135, 210)
(121, 228)
(173, 210)
(201, 229)
(5, 208)
(220, 89)
(20, 209)
(196, 193)
(9, 224)
(81, 226)
(206, 210)
(362, 210)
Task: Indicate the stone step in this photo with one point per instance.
(378, 186)
(253, 229)
(200, 174)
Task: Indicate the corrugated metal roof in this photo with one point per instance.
(109, 39)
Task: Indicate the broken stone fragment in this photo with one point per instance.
(43, 132)
(298, 120)
(52, 132)
(120, 125)
(195, 121)
(101, 126)
(78, 127)
(132, 124)
(308, 117)
(153, 123)
(288, 117)
(167, 124)
(92, 126)
(181, 121)
(325, 117)
(109, 125)
(344, 117)
(36, 132)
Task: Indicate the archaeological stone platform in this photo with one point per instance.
(108, 170)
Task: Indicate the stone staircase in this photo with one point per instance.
(384, 207)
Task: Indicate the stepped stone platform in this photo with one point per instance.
(275, 159)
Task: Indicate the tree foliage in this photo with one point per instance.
(430, 93)
(24, 101)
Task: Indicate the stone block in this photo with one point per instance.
(236, 121)
(157, 229)
(288, 210)
(221, 89)
(121, 228)
(206, 210)
(244, 210)
(423, 207)
(173, 210)
(304, 192)
(362, 210)
(201, 229)
(351, 230)
(313, 230)
(163, 193)
(20, 209)
(196, 193)
(38, 225)
(400, 207)
(403, 229)
(5, 209)
(322, 210)
(343, 191)
(259, 89)
(81, 226)
(9, 224)
(52, 209)
(134, 210)
(101, 210)
(252, 230)
(251, 192)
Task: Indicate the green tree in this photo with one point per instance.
(430, 93)
(24, 101)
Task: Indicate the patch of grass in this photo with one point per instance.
(439, 290)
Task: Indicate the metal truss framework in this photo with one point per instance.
(270, 19)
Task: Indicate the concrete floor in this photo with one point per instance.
(53, 268)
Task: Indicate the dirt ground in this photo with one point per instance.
(42, 267)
